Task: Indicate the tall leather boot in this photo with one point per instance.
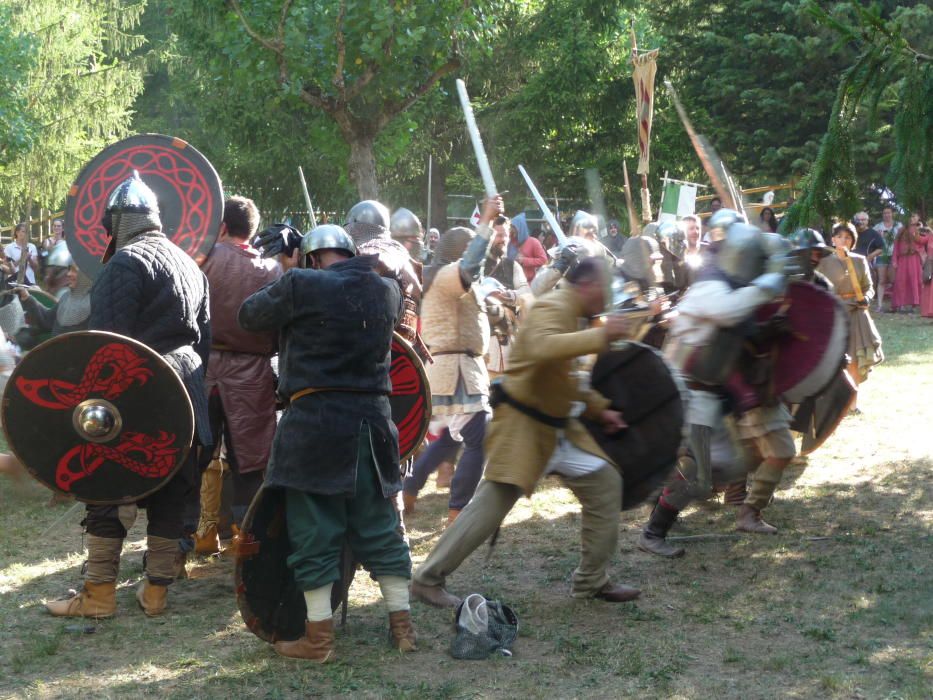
(98, 596)
(764, 482)
(401, 631)
(317, 644)
(161, 563)
(653, 536)
(206, 540)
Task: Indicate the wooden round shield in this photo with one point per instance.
(410, 398)
(271, 604)
(808, 358)
(818, 416)
(191, 200)
(653, 402)
(99, 416)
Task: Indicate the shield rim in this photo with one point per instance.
(4, 406)
(70, 200)
(419, 367)
(808, 447)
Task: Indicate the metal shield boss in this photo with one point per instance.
(271, 604)
(99, 416)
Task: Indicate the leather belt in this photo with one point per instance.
(317, 390)
(498, 395)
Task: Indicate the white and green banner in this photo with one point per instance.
(679, 200)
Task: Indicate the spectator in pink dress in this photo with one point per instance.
(907, 261)
(525, 249)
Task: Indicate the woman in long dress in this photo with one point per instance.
(907, 262)
(851, 280)
(926, 295)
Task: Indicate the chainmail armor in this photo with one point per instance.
(362, 232)
(128, 225)
(75, 305)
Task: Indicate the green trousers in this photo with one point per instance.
(318, 526)
(600, 495)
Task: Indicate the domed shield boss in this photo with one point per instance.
(98, 416)
(191, 199)
(272, 605)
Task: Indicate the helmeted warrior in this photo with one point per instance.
(240, 382)
(406, 229)
(672, 245)
(585, 225)
(368, 224)
(745, 272)
(336, 451)
(457, 332)
(807, 249)
(73, 309)
(149, 290)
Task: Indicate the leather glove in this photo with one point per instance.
(278, 239)
(567, 258)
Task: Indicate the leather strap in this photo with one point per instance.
(498, 395)
(317, 390)
(852, 276)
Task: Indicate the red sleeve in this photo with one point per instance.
(537, 255)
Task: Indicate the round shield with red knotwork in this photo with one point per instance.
(99, 416)
(191, 200)
(410, 398)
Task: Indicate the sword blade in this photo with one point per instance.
(548, 215)
(484, 170)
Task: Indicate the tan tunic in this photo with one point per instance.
(541, 375)
(864, 340)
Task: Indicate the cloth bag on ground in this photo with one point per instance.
(482, 628)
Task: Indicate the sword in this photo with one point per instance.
(548, 215)
(718, 176)
(484, 170)
(304, 188)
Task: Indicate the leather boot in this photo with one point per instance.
(445, 474)
(207, 543)
(434, 595)
(409, 499)
(151, 598)
(401, 632)
(749, 520)
(95, 600)
(317, 644)
(452, 515)
(653, 536)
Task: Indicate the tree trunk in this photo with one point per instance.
(362, 166)
(439, 196)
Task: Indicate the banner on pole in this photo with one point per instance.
(645, 67)
(679, 201)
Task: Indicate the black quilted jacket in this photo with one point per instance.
(152, 292)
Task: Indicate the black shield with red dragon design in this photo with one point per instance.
(191, 200)
(272, 605)
(98, 416)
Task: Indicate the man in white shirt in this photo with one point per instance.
(14, 254)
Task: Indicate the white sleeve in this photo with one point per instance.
(716, 302)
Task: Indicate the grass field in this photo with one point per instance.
(838, 605)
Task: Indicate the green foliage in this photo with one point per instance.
(78, 87)
(17, 54)
(886, 62)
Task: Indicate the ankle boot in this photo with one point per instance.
(317, 644)
(749, 520)
(207, 542)
(151, 598)
(409, 500)
(401, 631)
(95, 600)
(652, 539)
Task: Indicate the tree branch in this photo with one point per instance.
(274, 46)
(339, 82)
(392, 109)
